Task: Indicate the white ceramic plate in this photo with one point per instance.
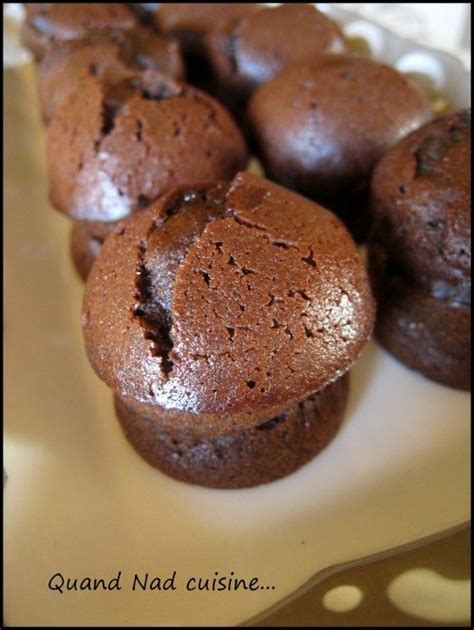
(80, 501)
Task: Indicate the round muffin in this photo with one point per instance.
(269, 451)
(113, 147)
(247, 51)
(49, 24)
(320, 127)
(220, 305)
(421, 204)
(103, 54)
(428, 335)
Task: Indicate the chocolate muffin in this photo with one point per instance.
(190, 23)
(429, 335)
(269, 451)
(49, 24)
(113, 147)
(103, 54)
(321, 127)
(220, 305)
(249, 50)
(421, 203)
(420, 261)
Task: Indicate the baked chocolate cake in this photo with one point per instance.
(421, 203)
(105, 53)
(429, 335)
(321, 127)
(48, 24)
(113, 147)
(420, 249)
(249, 50)
(219, 306)
(215, 315)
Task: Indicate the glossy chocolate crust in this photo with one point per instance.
(421, 204)
(105, 53)
(258, 455)
(249, 51)
(321, 127)
(218, 307)
(49, 24)
(113, 147)
(428, 335)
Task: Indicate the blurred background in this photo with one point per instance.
(441, 25)
(436, 24)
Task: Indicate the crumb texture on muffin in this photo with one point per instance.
(115, 147)
(228, 300)
(105, 54)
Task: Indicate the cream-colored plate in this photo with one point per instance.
(81, 502)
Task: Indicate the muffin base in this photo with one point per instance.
(428, 335)
(255, 456)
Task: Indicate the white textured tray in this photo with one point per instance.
(446, 73)
(80, 501)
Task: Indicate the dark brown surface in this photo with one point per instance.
(271, 450)
(48, 24)
(250, 50)
(115, 147)
(190, 22)
(143, 11)
(428, 335)
(421, 203)
(321, 128)
(257, 309)
(104, 53)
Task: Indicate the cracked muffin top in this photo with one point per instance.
(224, 299)
(190, 22)
(248, 51)
(101, 54)
(49, 24)
(421, 203)
(321, 127)
(115, 146)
